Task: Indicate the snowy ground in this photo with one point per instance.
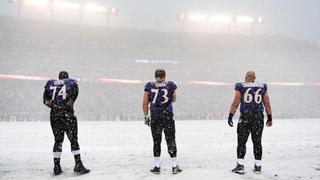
(123, 150)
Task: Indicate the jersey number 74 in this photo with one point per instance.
(61, 93)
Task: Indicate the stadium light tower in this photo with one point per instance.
(80, 6)
(252, 21)
(205, 18)
(222, 19)
(35, 2)
(95, 8)
(257, 20)
(19, 6)
(110, 12)
(245, 19)
(89, 7)
(202, 18)
(182, 19)
(51, 4)
(66, 5)
(198, 17)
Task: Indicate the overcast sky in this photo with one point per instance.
(299, 19)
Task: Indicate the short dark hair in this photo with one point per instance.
(63, 75)
(161, 73)
(250, 76)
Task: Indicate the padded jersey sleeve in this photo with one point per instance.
(238, 87)
(72, 89)
(173, 86)
(46, 93)
(147, 87)
(265, 88)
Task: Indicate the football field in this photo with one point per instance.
(123, 150)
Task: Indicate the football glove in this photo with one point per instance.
(147, 120)
(269, 121)
(230, 122)
(48, 103)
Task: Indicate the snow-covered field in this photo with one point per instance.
(123, 150)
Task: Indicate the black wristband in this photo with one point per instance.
(230, 115)
(269, 117)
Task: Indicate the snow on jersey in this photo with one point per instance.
(61, 91)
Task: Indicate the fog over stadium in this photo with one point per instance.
(294, 18)
(205, 46)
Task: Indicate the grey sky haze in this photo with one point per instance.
(299, 19)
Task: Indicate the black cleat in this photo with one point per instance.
(80, 169)
(257, 169)
(176, 170)
(239, 169)
(155, 170)
(57, 170)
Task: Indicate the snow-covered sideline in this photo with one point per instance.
(123, 150)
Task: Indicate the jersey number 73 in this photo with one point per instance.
(156, 94)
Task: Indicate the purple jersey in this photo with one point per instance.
(160, 95)
(251, 96)
(61, 91)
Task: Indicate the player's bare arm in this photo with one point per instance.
(46, 99)
(145, 108)
(70, 103)
(234, 107)
(145, 104)
(73, 96)
(267, 105)
(236, 102)
(174, 96)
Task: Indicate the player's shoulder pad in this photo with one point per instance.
(148, 86)
(49, 83)
(71, 82)
(265, 86)
(260, 84)
(172, 84)
(238, 86)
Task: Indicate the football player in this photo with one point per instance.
(59, 96)
(253, 99)
(160, 95)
